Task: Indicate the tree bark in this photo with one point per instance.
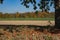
(57, 14)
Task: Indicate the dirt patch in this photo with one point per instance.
(40, 23)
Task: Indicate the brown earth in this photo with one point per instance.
(39, 23)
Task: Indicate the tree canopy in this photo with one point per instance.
(42, 4)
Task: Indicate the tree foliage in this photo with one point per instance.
(43, 4)
(1, 1)
(27, 15)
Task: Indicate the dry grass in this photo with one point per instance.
(25, 33)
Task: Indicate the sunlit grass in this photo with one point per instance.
(27, 19)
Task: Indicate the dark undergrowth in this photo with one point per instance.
(50, 29)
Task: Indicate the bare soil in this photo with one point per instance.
(39, 23)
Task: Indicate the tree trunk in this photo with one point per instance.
(57, 14)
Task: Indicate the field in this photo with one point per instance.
(27, 19)
(26, 33)
(39, 26)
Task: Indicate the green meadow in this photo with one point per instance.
(27, 19)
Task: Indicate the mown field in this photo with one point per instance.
(27, 19)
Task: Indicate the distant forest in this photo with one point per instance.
(28, 15)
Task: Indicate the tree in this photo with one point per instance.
(43, 5)
(1, 14)
(57, 14)
(1, 1)
(6, 15)
(17, 15)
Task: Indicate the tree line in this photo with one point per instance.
(27, 15)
